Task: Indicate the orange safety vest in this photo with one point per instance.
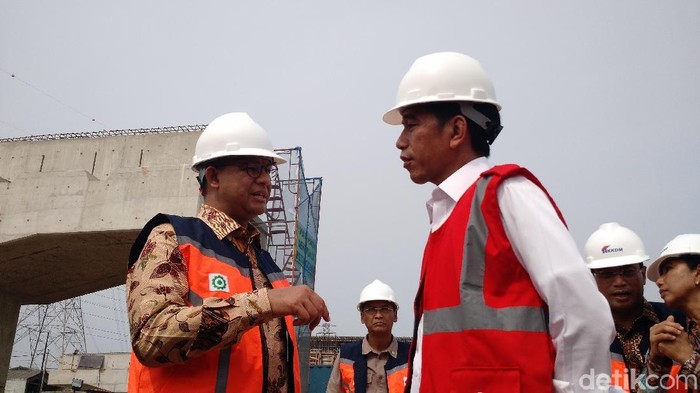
(485, 327)
(353, 369)
(620, 376)
(214, 269)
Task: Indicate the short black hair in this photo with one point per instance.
(692, 260)
(446, 110)
(216, 163)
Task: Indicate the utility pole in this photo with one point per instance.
(43, 363)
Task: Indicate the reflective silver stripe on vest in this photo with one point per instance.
(397, 368)
(275, 276)
(195, 299)
(222, 370)
(245, 272)
(224, 354)
(617, 357)
(472, 313)
(210, 253)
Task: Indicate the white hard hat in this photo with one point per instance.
(233, 134)
(688, 243)
(444, 76)
(614, 245)
(377, 290)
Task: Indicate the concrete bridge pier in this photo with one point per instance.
(72, 205)
(9, 312)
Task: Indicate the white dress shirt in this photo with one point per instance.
(580, 322)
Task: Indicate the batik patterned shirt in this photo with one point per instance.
(631, 340)
(657, 373)
(166, 330)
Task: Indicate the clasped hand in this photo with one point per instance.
(668, 339)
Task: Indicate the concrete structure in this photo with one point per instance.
(70, 207)
(107, 372)
(24, 380)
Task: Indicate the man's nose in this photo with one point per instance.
(618, 280)
(264, 178)
(401, 141)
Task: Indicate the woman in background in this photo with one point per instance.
(677, 274)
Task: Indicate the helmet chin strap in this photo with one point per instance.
(490, 128)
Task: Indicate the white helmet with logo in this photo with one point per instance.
(233, 134)
(688, 243)
(445, 76)
(377, 290)
(614, 245)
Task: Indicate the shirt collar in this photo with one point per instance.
(457, 183)
(644, 320)
(649, 312)
(223, 225)
(392, 349)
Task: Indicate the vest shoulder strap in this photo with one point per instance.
(505, 171)
(351, 350)
(401, 356)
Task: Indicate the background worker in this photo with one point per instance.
(677, 274)
(616, 257)
(377, 364)
(505, 302)
(209, 310)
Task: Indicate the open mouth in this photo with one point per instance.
(260, 195)
(621, 296)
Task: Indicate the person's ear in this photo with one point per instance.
(211, 174)
(459, 131)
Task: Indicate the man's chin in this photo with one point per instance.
(417, 179)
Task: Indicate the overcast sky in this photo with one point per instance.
(601, 100)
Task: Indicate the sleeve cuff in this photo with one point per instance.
(690, 365)
(256, 305)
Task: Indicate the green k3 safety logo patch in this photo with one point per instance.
(218, 282)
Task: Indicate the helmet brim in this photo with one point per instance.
(653, 269)
(240, 152)
(359, 305)
(619, 261)
(393, 116)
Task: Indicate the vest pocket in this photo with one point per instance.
(485, 380)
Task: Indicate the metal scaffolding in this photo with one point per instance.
(292, 219)
(291, 223)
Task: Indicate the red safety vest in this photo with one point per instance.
(485, 327)
(238, 368)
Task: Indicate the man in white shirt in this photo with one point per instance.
(505, 301)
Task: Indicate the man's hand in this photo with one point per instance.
(301, 302)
